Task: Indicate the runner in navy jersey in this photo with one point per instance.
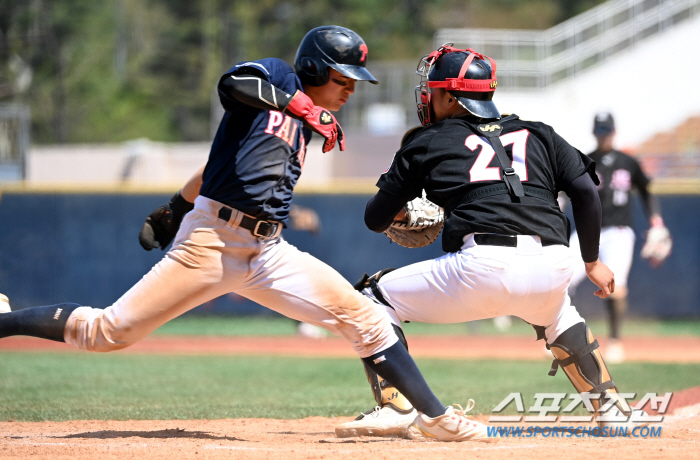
(229, 239)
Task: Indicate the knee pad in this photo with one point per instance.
(371, 282)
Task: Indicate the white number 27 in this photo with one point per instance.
(481, 170)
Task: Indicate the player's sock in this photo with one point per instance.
(616, 310)
(385, 393)
(42, 322)
(396, 365)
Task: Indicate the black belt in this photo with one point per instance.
(261, 228)
(492, 239)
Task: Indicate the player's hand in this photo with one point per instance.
(601, 276)
(317, 119)
(162, 225)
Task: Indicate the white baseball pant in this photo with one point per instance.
(529, 281)
(211, 257)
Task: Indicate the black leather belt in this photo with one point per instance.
(260, 228)
(491, 239)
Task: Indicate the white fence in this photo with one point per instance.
(536, 59)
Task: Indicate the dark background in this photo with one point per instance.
(83, 248)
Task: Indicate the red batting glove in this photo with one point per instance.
(318, 119)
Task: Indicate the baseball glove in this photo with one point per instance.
(162, 225)
(657, 246)
(424, 222)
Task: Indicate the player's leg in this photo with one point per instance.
(576, 351)
(432, 291)
(617, 252)
(302, 287)
(186, 277)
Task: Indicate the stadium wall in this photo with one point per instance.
(83, 247)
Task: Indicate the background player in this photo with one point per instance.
(230, 241)
(619, 175)
(506, 238)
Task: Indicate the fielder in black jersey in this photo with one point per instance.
(497, 178)
(229, 238)
(620, 175)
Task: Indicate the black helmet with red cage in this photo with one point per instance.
(469, 76)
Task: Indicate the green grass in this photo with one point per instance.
(273, 325)
(57, 386)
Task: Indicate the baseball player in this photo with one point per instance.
(619, 175)
(234, 210)
(497, 178)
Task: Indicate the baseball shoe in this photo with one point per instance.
(4, 304)
(310, 331)
(453, 425)
(614, 352)
(383, 421)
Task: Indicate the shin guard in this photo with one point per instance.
(576, 352)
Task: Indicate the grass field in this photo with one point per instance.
(273, 325)
(78, 386)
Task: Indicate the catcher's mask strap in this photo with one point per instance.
(460, 83)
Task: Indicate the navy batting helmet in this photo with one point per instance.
(468, 75)
(336, 47)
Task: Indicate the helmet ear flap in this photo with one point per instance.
(313, 74)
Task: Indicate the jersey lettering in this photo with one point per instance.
(301, 154)
(287, 131)
(481, 171)
(283, 132)
(276, 119)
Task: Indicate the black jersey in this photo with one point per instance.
(619, 175)
(450, 159)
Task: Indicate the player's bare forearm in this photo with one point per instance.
(601, 276)
(190, 190)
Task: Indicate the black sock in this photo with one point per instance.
(616, 310)
(396, 365)
(43, 322)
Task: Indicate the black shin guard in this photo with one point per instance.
(43, 322)
(577, 353)
(396, 365)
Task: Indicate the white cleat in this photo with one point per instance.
(383, 421)
(453, 425)
(4, 304)
(614, 352)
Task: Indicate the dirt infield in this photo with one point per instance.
(648, 349)
(314, 437)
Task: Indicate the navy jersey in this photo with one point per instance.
(257, 155)
(619, 175)
(450, 159)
